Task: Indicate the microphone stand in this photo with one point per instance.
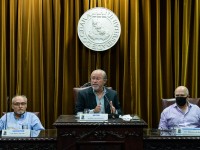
(112, 114)
(7, 110)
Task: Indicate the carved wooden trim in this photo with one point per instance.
(57, 124)
(100, 134)
(28, 139)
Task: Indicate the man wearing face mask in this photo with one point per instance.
(180, 114)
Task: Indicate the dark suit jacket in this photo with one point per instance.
(86, 99)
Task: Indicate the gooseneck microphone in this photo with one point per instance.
(7, 110)
(112, 114)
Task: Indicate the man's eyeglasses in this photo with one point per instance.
(18, 104)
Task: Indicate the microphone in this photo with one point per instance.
(7, 110)
(112, 114)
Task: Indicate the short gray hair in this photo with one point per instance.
(23, 96)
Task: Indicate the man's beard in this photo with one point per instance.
(20, 112)
(95, 87)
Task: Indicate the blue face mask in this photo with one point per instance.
(181, 101)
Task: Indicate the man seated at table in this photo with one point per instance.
(98, 98)
(20, 118)
(180, 114)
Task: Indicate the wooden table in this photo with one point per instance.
(113, 134)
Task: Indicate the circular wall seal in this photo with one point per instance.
(99, 29)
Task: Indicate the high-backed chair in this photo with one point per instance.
(76, 90)
(168, 102)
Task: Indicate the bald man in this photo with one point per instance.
(98, 98)
(180, 114)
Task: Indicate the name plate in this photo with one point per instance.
(16, 133)
(93, 117)
(188, 131)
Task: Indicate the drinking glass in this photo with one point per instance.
(86, 111)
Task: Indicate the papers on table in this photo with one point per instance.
(128, 117)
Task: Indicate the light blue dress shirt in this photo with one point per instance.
(28, 120)
(101, 101)
(173, 117)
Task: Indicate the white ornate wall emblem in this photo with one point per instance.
(99, 29)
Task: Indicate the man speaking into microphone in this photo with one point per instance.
(98, 98)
